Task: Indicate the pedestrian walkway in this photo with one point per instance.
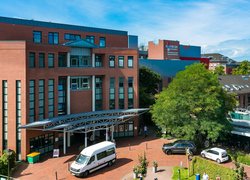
(163, 172)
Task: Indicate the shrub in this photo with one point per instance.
(200, 165)
(4, 162)
(143, 164)
(244, 159)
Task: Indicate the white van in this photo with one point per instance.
(94, 157)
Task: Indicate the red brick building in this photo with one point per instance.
(50, 69)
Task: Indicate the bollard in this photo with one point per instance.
(129, 147)
(56, 175)
(68, 167)
(146, 145)
(179, 174)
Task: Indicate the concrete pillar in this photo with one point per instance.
(68, 59)
(112, 133)
(93, 59)
(86, 140)
(93, 93)
(68, 139)
(64, 141)
(68, 94)
(107, 134)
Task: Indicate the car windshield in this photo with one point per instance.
(82, 159)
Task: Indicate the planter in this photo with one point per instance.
(154, 169)
(135, 175)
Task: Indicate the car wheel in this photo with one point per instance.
(110, 163)
(203, 155)
(218, 161)
(86, 173)
(168, 152)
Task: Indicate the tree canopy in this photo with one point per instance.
(242, 69)
(148, 86)
(194, 106)
(219, 70)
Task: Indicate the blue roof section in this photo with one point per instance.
(166, 68)
(60, 26)
(190, 51)
(80, 43)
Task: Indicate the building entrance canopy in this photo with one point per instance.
(85, 122)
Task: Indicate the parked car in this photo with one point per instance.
(217, 154)
(179, 147)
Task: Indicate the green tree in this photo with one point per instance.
(148, 86)
(219, 70)
(242, 69)
(194, 106)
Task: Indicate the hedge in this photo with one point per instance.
(244, 159)
(200, 165)
(4, 162)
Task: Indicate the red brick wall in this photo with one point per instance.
(156, 51)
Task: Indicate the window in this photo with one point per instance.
(121, 93)
(31, 100)
(90, 39)
(62, 85)
(37, 36)
(98, 61)
(41, 100)
(98, 93)
(41, 60)
(80, 83)
(111, 61)
(72, 37)
(18, 119)
(53, 38)
(121, 61)
(5, 113)
(101, 155)
(51, 98)
(110, 151)
(130, 61)
(32, 60)
(130, 93)
(62, 59)
(80, 61)
(92, 159)
(102, 42)
(50, 60)
(112, 93)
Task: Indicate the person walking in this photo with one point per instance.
(205, 176)
(145, 131)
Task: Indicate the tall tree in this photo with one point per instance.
(219, 70)
(242, 69)
(148, 86)
(194, 106)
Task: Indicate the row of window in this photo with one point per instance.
(18, 119)
(53, 38)
(77, 61)
(5, 113)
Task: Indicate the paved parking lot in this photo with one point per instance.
(127, 151)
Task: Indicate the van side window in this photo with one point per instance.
(91, 160)
(110, 151)
(101, 155)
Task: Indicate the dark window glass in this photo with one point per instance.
(121, 61)
(112, 93)
(37, 36)
(102, 42)
(62, 59)
(90, 39)
(41, 60)
(50, 60)
(32, 60)
(121, 93)
(101, 155)
(130, 61)
(72, 36)
(98, 61)
(130, 93)
(53, 38)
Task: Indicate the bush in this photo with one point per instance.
(4, 162)
(244, 159)
(200, 165)
(143, 164)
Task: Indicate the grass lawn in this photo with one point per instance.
(183, 174)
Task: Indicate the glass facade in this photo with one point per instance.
(124, 130)
(51, 60)
(41, 60)
(53, 38)
(51, 100)
(112, 93)
(121, 93)
(102, 42)
(80, 82)
(41, 100)
(112, 61)
(62, 60)
(72, 37)
(130, 61)
(80, 61)
(121, 61)
(37, 36)
(130, 93)
(42, 144)
(32, 60)
(18, 119)
(5, 113)
(31, 101)
(98, 93)
(62, 98)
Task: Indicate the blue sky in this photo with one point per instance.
(216, 25)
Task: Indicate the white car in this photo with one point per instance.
(217, 154)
